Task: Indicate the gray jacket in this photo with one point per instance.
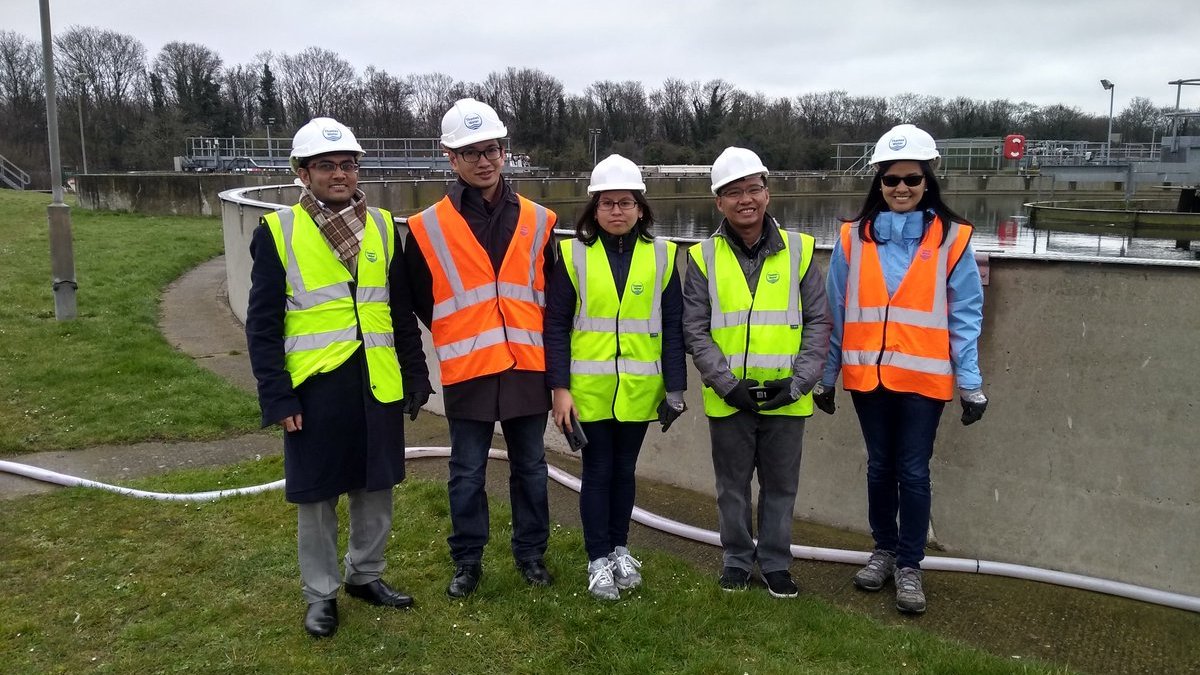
(697, 314)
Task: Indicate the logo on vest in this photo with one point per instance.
(897, 142)
(772, 277)
(524, 231)
(473, 121)
(371, 257)
(637, 288)
(926, 254)
(332, 134)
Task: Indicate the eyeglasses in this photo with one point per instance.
(911, 181)
(737, 193)
(471, 155)
(608, 204)
(326, 166)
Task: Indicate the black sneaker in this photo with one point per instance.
(734, 579)
(780, 584)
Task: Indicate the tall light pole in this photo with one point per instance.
(58, 214)
(82, 144)
(270, 158)
(1112, 90)
(595, 138)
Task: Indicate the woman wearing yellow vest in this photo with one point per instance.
(614, 357)
(907, 306)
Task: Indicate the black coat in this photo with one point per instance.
(349, 440)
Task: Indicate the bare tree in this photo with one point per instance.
(385, 110)
(241, 86)
(314, 83)
(110, 65)
(623, 110)
(432, 96)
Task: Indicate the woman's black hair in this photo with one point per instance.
(587, 229)
(931, 204)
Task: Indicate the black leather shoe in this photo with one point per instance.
(321, 619)
(535, 572)
(379, 594)
(465, 581)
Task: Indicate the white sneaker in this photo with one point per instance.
(600, 580)
(625, 568)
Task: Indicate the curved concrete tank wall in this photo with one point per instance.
(1085, 462)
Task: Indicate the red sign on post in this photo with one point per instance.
(1014, 146)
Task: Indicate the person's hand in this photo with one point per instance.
(413, 402)
(823, 398)
(562, 408)
(740, 397)
(782, 397)
(670, 409)
(292, 423)
(973, 404)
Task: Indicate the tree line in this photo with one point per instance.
(137, 111)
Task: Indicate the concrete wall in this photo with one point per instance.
(197, 194)
(1086, 459)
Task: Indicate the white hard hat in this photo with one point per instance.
(904, 141)
(616, 173)
(734, 164)
(320, 136)
(470, 121)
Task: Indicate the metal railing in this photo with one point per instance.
(12, 175)
(978, 155)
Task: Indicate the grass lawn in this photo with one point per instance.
(105, 583)
(109, 376)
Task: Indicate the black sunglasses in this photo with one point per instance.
(911, 181)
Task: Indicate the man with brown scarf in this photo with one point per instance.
(337, 354)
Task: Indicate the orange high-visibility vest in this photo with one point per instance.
(901, 342)
(485, 322)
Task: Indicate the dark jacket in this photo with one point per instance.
(349, 440)
(512, 393)
(560, 315)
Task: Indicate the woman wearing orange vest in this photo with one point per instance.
(614, 357)
(907, 306)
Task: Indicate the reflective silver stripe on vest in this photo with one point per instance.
(303, 343)
(526, 292)
(373, 294)
(608, 367)
(788, 317)
(463, 299)
(586, 322)
(936, 317)
(918, 364)
(524, 337)
(379, 340)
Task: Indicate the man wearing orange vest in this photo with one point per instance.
(478, 262)
(338, 359)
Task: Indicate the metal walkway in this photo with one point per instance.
(12, 175)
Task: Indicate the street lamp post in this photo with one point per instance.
(1112, 90)
(595, 138)
(270, 157)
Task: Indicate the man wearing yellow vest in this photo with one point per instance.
(337, 354)
(756, 323)
(478, 262)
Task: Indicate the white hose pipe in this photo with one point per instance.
(940, 563)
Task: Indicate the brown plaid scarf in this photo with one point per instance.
(343, 229)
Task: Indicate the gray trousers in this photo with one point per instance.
(317, 542)
(743, 443)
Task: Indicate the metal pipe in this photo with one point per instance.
(58, 214)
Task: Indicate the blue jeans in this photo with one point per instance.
(470, 441)
(899, 430)
(608, 486)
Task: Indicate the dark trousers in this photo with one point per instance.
(743, 444)
(470, 441)
(899, 430)
(608, 486)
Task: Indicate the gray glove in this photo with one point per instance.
(973, 404)
(670, 409)
(823, 398)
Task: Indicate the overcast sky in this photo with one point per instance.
(1041, 51)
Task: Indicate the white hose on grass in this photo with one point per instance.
(940, 563)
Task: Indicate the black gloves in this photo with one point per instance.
(670, 409)
(412, 403)
(782, 398)
(740, 397)
(973, 404)
(823, 398)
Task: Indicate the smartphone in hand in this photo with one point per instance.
(576, 440)
(763, 394)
